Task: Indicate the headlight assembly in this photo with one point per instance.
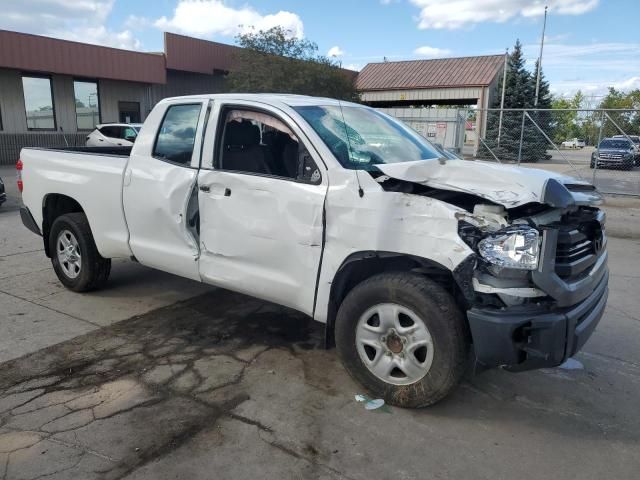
(515, 247)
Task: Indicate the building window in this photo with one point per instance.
(177, 134)
(38, 103)
(87, 104)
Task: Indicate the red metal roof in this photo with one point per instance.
(194, 55)
(35, 53)
(43, 54)
(439, 73)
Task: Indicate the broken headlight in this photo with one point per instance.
(512, 247)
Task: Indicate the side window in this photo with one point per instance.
(257, 142)
(177, 134)
(129, 133)
(111, 132)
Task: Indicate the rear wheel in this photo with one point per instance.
(74, 255)
(403, 338)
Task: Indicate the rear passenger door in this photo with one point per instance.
(159, 195)
(261, 198)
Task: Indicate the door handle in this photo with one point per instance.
(217, 191)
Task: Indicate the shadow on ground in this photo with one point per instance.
(225, 386)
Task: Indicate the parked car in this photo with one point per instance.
(616, 153)
(636, 144)
(3, 194)
(347, 215)
(113, 135)
(574, 143)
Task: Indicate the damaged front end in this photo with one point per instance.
(536, 286)
(539, 282)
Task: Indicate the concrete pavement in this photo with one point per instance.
(156, 377)
(225, 386)
(36, 311)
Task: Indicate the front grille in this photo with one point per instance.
(611, 156)
(578, 248)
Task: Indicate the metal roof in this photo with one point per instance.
(440, 73)
(35, 53)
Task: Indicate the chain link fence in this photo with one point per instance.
(599, 146)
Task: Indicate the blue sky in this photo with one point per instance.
(590, 44)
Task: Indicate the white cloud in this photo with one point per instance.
(432, 52)
(101, 36)
(335, 52)
(455, 14)
(592, 67)
(81, 20)
(207, 18)
(353, 66)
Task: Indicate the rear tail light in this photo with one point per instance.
(19, 167)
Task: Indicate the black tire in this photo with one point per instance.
(94, 269)
(443, 319)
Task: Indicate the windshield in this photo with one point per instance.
(364, 137)
(617, 144)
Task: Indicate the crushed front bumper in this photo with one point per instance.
(524, 340)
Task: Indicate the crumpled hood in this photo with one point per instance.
(507, 185)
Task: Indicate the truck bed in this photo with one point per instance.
(91, 176)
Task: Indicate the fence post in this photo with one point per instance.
(595, 164)
(521, 137)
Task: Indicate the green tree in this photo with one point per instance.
(519, 93)
(625, 118)
(275, 61)
(567, 121)
(544, 119)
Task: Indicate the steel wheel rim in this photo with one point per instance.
(394, 344)
(68, 252)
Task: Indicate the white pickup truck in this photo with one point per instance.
(419, 264)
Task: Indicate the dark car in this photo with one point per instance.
(3, 195)
(616, 153)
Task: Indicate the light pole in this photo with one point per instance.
(504, 86)
(544, 27)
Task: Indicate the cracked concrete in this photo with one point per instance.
(227, 387)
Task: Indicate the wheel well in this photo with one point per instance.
(55, 205)
(360, 266)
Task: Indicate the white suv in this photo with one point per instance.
(113, 135)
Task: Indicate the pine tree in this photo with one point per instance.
(539, 144)
(519, 93)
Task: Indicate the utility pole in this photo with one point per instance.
(504, 86)
(544, 27)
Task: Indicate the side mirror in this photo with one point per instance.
(130, 139)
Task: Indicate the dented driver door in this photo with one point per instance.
(260, 234)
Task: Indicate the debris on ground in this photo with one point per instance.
(372, 403)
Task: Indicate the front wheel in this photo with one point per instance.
(74, 255)
(403, 338)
